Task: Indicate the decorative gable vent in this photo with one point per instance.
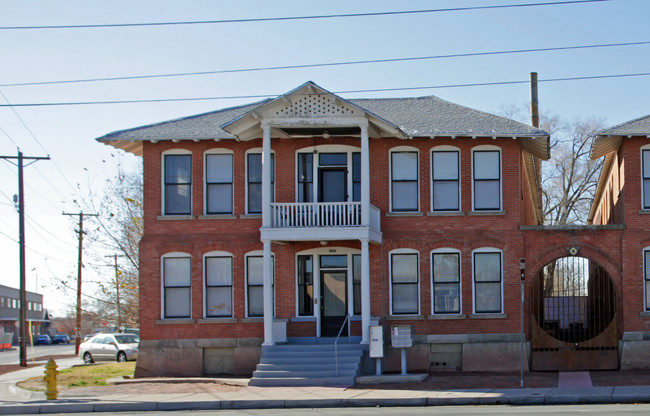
(315, 105)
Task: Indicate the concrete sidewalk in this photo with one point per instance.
(16, 401)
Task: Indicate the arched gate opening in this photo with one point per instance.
(573, 317)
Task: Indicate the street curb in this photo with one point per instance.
(83, 406)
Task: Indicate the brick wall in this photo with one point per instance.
(619, 252)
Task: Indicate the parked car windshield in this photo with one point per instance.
(127, 339)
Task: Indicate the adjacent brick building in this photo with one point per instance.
(271, 222)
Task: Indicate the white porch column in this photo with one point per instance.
(266, 176)
(365, 292)
(266, 222)
(365, 176)
(268, 294)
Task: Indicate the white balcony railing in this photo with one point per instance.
(316, 214)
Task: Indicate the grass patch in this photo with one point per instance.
(82, 376)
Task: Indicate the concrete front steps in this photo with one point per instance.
(308, 365)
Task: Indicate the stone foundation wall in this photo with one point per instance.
(466, 352)
(634, 351)
(198, 357)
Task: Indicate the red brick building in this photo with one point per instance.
(273, 222)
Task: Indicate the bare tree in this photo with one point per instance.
(116, 234)
(569, 178)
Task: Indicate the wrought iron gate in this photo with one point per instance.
(573, 317)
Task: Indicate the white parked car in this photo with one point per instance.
(109, 347)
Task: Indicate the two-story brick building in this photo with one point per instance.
(286, 220)
(10, 314)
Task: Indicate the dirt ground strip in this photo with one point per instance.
(435, 381)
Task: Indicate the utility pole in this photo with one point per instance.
(22, 337)
(117, 288)
(77, 330)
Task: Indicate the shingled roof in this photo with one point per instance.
(432, 116)
(606, 143)
(636, 127)
(417, 117)
(608, 140)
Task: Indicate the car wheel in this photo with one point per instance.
(88, 359)
(121, 357)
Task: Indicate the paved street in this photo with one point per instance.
(33, 353)
(591, 410)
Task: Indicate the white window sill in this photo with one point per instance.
(447, 316)
(488, 316)
(644, 211)
(445, 213)
(644, 314)
(405, 214)
(218, 217)
(250, 216)
(174, 321)
(175, 217)
(303, 319)
(405, 318)
(481, 213)
(253, 319)
(218, 321)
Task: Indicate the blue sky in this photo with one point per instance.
(67, 133)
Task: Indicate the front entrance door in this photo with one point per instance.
(333, 185)
(333, 302)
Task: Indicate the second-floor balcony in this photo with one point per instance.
(323, 221)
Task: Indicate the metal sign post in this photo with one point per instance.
(402, 338)
(522, 269)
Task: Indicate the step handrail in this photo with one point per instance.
(336, 341)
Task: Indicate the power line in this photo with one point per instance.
(23, 123)
(31, 133)
(328, 64)
(286, 18)
(9, 137)
(258, 96)
(36, 191)
(6, 196)
(9, 237)
(33, 222)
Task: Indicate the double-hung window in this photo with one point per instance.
(356, 176)
(305, 285)
(178, 184)
(218, 183)
(356, 284)
(404, 181)
(646, 276)
(218, 285)
(487, 179)
(404, 281)
(445, 267)
(254, 182)
(646, 179)
(305, 177)
(255, 285)
(445, 180)
(487, 282)
(176, 286)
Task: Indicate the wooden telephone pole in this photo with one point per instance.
(22, 337)
(117, 289)
(77, 330)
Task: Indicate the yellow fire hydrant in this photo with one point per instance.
(50, 379)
